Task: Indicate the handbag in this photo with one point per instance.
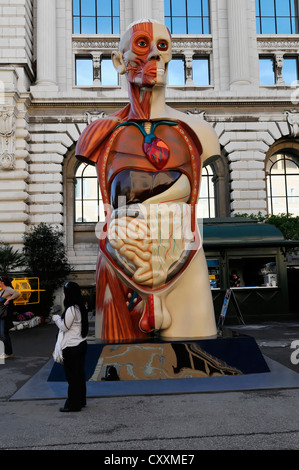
(57, 354)
(3, 308)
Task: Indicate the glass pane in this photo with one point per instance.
(115, 23)
(268, 26)
(290, 70)
(167, 23)
(283, 8)
(87, 170)
(267, 8)
(211, 188)
(84, 72)
(101, 210)
(204, 187)
(88, 8)
(293, 186)
(202, 210)
(179, 8)
(205, 8)
(104, 25)
(278, 186)
(115, 6)
(109, 76)
(201, 71)
(78, 188)
(194, 8)
(179, 25)
(88, 25)
(257, 7)
(76, 25)
(206, 25)
(291, 167)
(90, 213)
(258, 26)
(284, 26)
(167, 7)
(78, 211)
(176, 72)
(278, 167)
(267, 75)
(194, 26)
(79, 170)
(279, 205)
(295, 26)
(90, 188)
(104, 7)
(76, 7)
(293, 205)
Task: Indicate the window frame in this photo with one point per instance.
(187, 16)
(81, 199)
(208, 200)
(83, 57)
(272, 58)
(291, 17)
(286, 155)
(96, 17)
(295, 57)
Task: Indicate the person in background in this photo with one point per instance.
(71, 340)
(8, 293)
(234, 279)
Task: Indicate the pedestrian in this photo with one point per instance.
(8, 295)
(71, 345)
(235, 279)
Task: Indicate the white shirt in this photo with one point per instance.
(70, 327)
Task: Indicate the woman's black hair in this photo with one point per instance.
(73, 297)
(6, 280)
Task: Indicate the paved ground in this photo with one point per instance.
(161, 424)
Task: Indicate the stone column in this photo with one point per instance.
(238, 43)
(142, 9)
(46, 43)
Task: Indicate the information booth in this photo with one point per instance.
(256, 254)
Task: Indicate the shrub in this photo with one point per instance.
(45, 257)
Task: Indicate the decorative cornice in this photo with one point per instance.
(95, 43)
(195, 44)
(274, 43)
(104, 44)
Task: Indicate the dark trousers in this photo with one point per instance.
(4, 336)
(74, 360)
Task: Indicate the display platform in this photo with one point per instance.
(159, 367)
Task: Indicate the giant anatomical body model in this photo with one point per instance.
(152, 273)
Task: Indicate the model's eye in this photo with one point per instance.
(142, 43)
(162, 45)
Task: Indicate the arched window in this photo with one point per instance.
(283, 183)
(88, 199)
(206, 200)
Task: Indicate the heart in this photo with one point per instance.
(157, 152)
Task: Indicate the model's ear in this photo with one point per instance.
(118, 62)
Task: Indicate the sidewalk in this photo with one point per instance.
(257, 419)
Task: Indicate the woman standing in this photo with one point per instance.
(73, 328)
(8, 293)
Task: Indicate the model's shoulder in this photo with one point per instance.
(204, 132)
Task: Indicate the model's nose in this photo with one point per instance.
(154, 53)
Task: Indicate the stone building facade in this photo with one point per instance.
(251, 98)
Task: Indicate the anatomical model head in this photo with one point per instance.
(144, 53)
